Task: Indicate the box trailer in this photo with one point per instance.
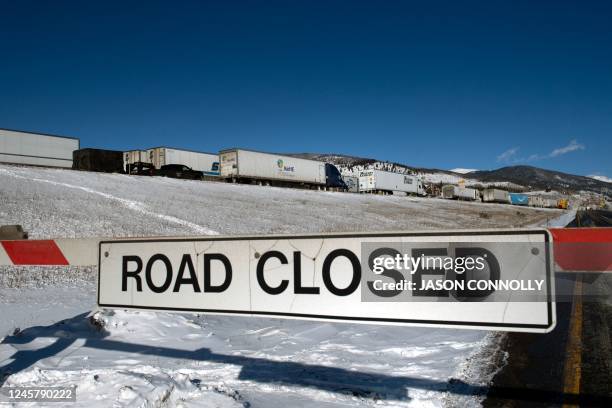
(242, 165)
(549, 203)
(208, 163)
(108, 161)
(461, 193)
(535, 201)
(377, 181)
(36, 149)
(135, 156)
(494, 195)
(464, 193)
(519, 199)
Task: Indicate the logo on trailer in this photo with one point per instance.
(281, 166)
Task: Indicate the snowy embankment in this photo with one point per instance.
(144, 358)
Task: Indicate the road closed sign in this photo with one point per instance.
(495, 280)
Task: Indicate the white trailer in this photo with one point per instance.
(549, 203)
(263, 168)
(202, 161)
(494, 195)
(36, 149)
(536, 201)
(375, 181)
(462, 193)
(135, 156)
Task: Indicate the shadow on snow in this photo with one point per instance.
(260, 370)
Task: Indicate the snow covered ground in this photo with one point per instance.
(64, 203)
(159, 359)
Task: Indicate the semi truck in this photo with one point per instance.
(249, 166)
(494, 195)
(379, 181)
(461, 193)
(208, 163)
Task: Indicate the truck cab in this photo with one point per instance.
(333, 178)
(421, 188)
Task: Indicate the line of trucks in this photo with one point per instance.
(254, 167)
(495, 195)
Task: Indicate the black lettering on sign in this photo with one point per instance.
(208, 286)
(186, 263)
(297, 277)
(125, 273)
(168, 266)
(327, 272)
(260, 273)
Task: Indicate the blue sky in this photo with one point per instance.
(433, 84)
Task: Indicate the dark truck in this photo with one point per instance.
(140, 169)
(179, 171)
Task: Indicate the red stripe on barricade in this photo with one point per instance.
(35, 252)
(602, 235)
(583, 249)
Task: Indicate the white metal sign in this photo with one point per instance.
(411, 278)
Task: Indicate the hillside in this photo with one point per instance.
(352, 163)
(537, 178)
(512, 177)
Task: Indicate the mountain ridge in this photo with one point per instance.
(531, 177)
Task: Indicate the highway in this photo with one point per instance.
(572, 365)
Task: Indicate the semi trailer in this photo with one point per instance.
(379, 181)
(519, 199)
(494, 195)
(249, 166)
(460, 193)
(535, 201)
(549, 203)
(36, 149)
(107, 161)
(543, 202)
(134, 159)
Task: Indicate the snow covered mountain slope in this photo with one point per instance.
(127, 358)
